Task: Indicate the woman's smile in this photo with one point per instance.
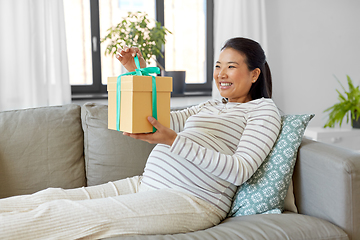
(225, 85)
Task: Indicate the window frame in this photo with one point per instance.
(97, 88)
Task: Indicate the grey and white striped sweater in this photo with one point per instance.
(219, 146)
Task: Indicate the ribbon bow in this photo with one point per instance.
(139, 72)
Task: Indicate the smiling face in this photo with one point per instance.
(233, 77)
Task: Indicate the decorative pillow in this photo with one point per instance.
(266, 190)
(39, 148)
(109, 155)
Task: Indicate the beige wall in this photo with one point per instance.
(308, 42)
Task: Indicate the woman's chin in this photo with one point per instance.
(224, 94)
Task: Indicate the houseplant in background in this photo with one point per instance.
(136, 29)
(348, 105)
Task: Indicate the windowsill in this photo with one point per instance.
(192, 94)
(178, 101)
(90, 96)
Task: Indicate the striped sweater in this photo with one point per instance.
(218, 147)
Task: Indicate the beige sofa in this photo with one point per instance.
(70, 146)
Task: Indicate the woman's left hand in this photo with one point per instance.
(162, 135)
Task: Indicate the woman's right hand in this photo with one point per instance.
(126, 58)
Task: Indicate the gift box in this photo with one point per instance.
(136, 103)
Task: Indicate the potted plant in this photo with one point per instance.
(348, 106)
(134, 30)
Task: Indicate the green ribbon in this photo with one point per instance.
(138, 72)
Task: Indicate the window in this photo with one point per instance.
(111, 13)
(87, 21)
(181, 51)
(78, 33)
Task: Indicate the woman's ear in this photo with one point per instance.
(255, 74)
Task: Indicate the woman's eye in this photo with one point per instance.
(217, 66)
(231, 66)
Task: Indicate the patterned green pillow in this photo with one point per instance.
(266, 190)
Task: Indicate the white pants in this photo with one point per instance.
(115, 208)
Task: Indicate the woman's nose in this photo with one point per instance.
(222, 74)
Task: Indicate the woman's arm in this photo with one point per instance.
(255, 144)
(163, 134)
(178, 118)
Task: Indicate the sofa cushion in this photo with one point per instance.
(109, 155)
(259, 226)
(266, 190)
(41, 148)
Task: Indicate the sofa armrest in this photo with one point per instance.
(327, 184)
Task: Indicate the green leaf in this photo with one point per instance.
(134, 30)
(349, 105)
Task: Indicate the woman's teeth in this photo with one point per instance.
(225, 84)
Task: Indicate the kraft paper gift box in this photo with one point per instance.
(136, 102)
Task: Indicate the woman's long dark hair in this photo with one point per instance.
(254, 58)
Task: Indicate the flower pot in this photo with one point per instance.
(178, 81)
(355, 124)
